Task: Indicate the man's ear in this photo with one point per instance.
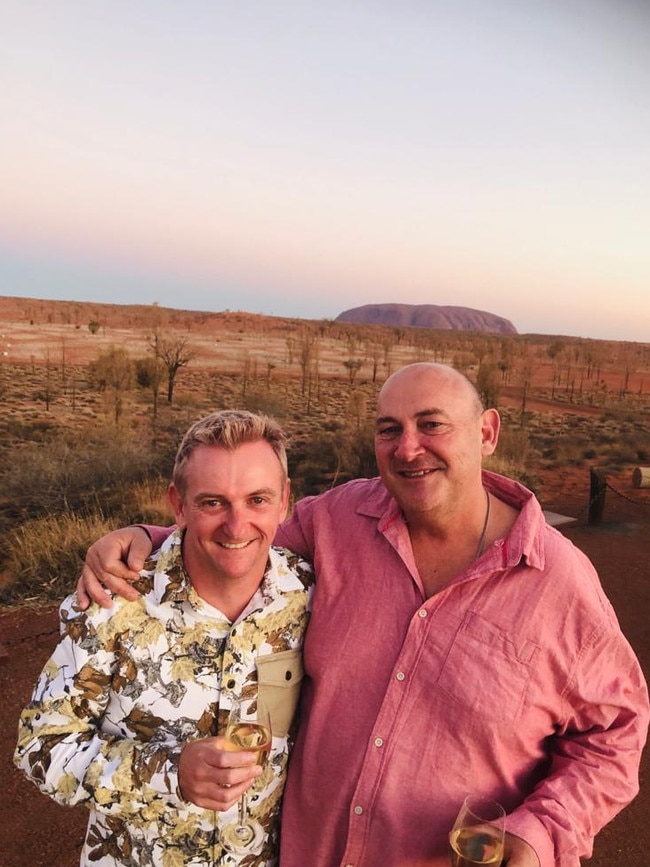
(490, 427)
(176, 500)
(287, 499)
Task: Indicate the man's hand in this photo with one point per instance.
(214, 778)
(517, 853)
(112, 562)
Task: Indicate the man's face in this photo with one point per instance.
(231, 507)
(430, 438)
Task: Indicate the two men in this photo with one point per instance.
(128, 714)
(457, 644)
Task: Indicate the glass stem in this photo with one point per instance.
(243, 810)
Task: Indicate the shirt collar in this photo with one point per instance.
(524, 539)
(169, 582)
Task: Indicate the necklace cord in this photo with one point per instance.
(481, 541)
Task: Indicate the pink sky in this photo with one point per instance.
(303, 161)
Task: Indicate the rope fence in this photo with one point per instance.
(599, 486)
(628, 497)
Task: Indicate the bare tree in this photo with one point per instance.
(352, 365)
(246, 373)
(375, 353)
(174, 354)
(48, 381)
(308, 352)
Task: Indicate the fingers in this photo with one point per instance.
(111, 557)
(214, 778)
(89, 589)
(93, 586)
(83, 599)
(139, 549)
(518, 853)
(217, 797)
(105, 568)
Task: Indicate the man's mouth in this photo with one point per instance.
(416, 474)
(234, 546)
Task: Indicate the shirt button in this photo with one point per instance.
(422, 612)
(231, 683)
(358, 810)
(379, 742)
(400, 675)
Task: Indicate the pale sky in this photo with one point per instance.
(301, 158)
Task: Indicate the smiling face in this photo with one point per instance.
(431, 435)
(231, 504)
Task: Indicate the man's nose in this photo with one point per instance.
(236, 522)
(408, 445)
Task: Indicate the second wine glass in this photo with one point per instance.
(478, 833)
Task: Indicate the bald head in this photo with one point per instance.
(431, 435)
(433, 378)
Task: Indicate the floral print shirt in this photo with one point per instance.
(126, 687)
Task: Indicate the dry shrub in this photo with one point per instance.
(331, 457)
(57, 498)
(44, 556)
(149, 502)
(510, 458)
(88, 470)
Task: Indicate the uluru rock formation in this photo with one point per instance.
(428, 316)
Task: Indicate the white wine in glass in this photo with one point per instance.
(251, 732)
(251, 736)
(478, 833)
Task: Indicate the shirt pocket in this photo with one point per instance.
(487, 669)
(279, 676)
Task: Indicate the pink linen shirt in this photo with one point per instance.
(514, 681)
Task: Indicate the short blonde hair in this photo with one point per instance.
(229, 429)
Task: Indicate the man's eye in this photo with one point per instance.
(210, 504)
(429, 425)
(258, 501)
(387, 431)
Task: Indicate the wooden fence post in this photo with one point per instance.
(597, 496)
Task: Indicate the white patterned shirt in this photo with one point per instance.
(126, 687)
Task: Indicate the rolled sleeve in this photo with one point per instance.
(594, 760)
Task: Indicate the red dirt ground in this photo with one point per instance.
(35, 832)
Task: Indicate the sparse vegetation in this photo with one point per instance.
(85, 445)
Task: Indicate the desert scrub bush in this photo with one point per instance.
(267, 403)
(513, 444)
(75, 470)
(332, 457)
(20, 428)
(43, 557)
(512, 456)
(150, 503)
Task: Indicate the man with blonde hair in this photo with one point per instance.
(129, 713)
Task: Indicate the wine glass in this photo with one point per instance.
(478, 833)
(247, 729)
